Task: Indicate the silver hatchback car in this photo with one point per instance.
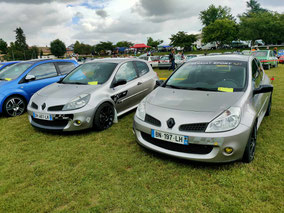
(208, 110)
(92, 95)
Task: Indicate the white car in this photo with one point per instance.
(152, 60)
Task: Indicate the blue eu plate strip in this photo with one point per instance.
(152, 133)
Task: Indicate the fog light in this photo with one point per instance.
(77, 122)
(228, 150)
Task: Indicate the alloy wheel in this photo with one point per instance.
(15, 106)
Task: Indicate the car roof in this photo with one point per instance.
(9, 62)
(34, 61)
(222, 58)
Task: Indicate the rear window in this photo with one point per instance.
(65, 67)
(141, 67)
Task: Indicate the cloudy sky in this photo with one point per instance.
(92, 21)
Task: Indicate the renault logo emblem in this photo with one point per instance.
(171, 123)
(43, 106)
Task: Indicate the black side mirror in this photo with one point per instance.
(119, 82)
(60, 80)
(30, 78)
(159, 83)
(263, 89)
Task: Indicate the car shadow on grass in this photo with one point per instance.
(190, 163)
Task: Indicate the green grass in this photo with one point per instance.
(108, 172)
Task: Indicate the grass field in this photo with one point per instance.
(108, 172)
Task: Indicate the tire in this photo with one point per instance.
(268, 67)
(250, 147)
(104, 117)
(267, 113)
(14, 106)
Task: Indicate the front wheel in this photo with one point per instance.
(14, 106)
(250, 147)
(268, 67)
(104, 116)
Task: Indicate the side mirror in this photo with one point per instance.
(119, 82)
(263, 89)
(30, 78)
(159, 83)
(60, 80)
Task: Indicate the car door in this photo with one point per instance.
(44, 73)
(127, 95)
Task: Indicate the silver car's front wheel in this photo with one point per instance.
(104, 116)
(250, 147)
(14, 106)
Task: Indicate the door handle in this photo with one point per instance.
(139, 83)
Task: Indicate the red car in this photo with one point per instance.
(281, 59)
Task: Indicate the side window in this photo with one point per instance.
(65, 67)
(42, 71)
(256, 77)
(141, 67)
(126, 71)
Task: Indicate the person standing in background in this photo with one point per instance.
(172, 60)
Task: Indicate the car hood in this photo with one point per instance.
(192, 100)
(65, 91)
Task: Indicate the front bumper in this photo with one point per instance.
(205, 147)
(64, 120)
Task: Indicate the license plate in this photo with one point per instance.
(42, 116)
(180, 139)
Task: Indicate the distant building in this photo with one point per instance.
(45, 50)
(69, 50)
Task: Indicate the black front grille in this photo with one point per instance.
(198, 127)
(151, 120)
(191, 148)
(53, 123)
(56, 108)
(34, 106)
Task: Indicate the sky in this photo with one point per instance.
(92, 21)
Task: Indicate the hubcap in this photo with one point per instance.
(15, 106)
(106, 117)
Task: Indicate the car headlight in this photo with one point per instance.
(141, 110)
(77, 102)
(228, 120)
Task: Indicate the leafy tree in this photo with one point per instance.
(57, 48)
(33, 52)
(20, 43)
(267, 26)
(153, 43)
(102, 47)
(3, 46)
(82, 49)
(213, 13)
(222, 31)
(124, 44)
(254, 7)
(181, 39)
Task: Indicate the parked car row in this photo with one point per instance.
(208, 110)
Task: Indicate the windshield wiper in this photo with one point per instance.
(175, 87)
(78, 83)
(202, 89)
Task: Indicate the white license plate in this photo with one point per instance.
(180, 139)
(42, 116)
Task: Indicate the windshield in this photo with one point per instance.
(226, 76)
(166, 57)
(90, 73)
(259, 54)
(12, 72)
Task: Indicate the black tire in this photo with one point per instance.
(250, 147)
(104, 116)
(14, 106)
(268, 67)
(267, 113)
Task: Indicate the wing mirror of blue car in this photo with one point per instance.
(263, 89)
(119, 82)
(60, 80)
(30, 78)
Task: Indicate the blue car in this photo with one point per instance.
(19, 82)
(7, 64)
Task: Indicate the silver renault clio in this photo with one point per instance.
(208, 110)
(92, 95)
